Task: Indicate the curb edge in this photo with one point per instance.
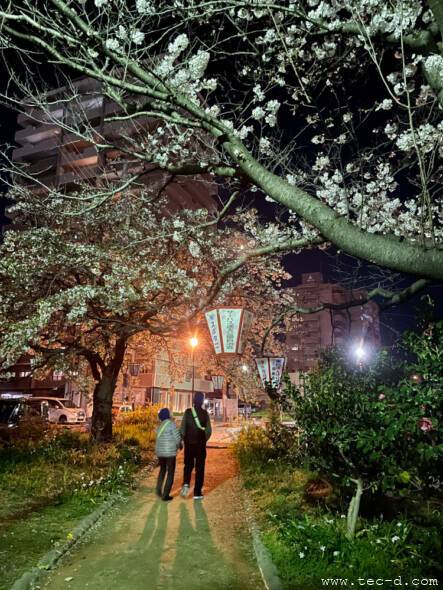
(28, 580)
(267, 567)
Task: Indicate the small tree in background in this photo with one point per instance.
(378, 436)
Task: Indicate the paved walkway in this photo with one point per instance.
(148, 544)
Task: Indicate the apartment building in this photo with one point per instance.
(165, 378)
(19, 380)
(355, 328)
(57, 157)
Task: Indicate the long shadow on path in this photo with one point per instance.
(183, 545)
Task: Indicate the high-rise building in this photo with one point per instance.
(355, 328)
(56, 157)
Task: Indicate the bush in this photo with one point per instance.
(308, 541)
(379, 436)
(138, 427)
(253, 446)
(30, 431)
(257, 445)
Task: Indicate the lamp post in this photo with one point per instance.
(193, 342)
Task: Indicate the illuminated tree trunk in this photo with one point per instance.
(354, 508)
(101, 428)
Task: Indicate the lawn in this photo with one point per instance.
(306, 538)
(50, 482)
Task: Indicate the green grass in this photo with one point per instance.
(48, 485)
(307, 541)
(24, 541)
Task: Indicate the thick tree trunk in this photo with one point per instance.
(101, 428)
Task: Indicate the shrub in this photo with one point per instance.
(138, 427)
(378, 436)
(253, 446)
(30, 431)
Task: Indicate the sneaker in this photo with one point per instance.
(198, 497)
(167, 499)
(185, 491)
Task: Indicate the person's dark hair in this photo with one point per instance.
(199, 398)
(164, 414)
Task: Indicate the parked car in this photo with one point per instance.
(119, 409)
(58, 410)
(11, 411)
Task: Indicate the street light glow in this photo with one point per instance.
(245, 368)
(360, 353)
(193, 342)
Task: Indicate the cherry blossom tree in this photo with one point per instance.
(329, 108)
(83, 287)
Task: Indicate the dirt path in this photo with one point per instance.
(181, 545)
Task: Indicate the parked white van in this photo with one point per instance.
(58, 410)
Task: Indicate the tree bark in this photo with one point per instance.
(383, 250)
(101, 428)
(354, 508)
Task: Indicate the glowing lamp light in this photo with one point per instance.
(193, 342)
(229, 327)
(360, 353)
(270, 368)
(245, 368)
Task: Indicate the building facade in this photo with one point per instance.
(19, 380)
(353, 328)
(56, 157)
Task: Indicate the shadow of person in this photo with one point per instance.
(198, 563)
(122, 557)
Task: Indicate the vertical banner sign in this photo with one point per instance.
(276, 365)
(270, 369)
(263, 369)
(228, 327)
(214, 330)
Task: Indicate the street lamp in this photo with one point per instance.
(360, 353)
(245, 368)
(193, 342)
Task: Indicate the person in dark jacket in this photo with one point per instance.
(195, 431)
(167, 442)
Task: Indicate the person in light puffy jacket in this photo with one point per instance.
(167, 442)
